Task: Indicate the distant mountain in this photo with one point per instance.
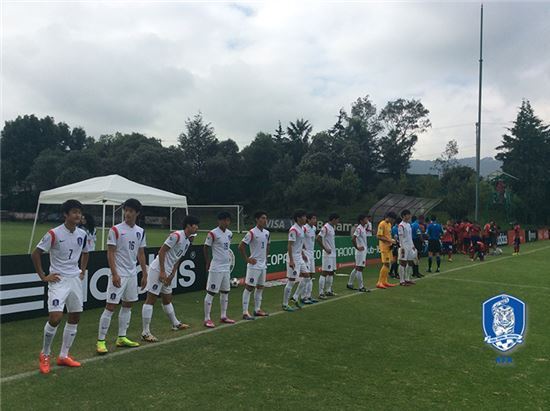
(487, 165)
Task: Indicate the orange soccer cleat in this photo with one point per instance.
(68, 361)
(44, 363)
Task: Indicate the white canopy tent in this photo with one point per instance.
(110, 190)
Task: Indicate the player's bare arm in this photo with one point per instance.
(289, 250)
(320, 241)
(162, 254)
(143, 265)
(242, 250)
(207, 258)
(111, 254)
(36, 257)
(84, 263)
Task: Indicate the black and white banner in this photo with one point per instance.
(24, 295)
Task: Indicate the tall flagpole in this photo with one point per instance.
(478, 124)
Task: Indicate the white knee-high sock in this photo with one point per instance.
(401, 271)
(146, 315)
(104, 323)
(300, 290)
(408, 270)
(69, 334)
(49, 334)
(208, 306)
(246, 300)
(308, 287)
(322, 280)
(352, 277)
(258, 299)
(124, 317)
(224, 302)
(330, 280)
(359, 275)
(287, 292)
(171, 313)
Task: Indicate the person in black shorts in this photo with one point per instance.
(434, 232)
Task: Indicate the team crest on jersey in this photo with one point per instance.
(155, 286)
(55, 302)
(504, 320)
(79, 240)
(138, 235)
(113, 296)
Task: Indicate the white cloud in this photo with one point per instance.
(148, 66)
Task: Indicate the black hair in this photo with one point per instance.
(259, 214)
(190, 220)
(90, 223)
(309, 216)
(333, 216)
(433, 217)
(405, 212)
(398, 220)
(391, 214)
(414, 218)
(224, 215)
(68, 205)
(133, 204)
(361, 217)
(299, 213)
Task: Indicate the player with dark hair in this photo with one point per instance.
(219, 268)
(257, 239)
(295, 264)
(162, 276)
(359, 240)
(517, 238)
(434, 232)
(126, 245)
(385, 242)
(67, 245)
(447, 239)
(326, 240)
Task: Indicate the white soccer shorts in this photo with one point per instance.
(360, 258)
(299, 267)
(218, 281)
(128, 290)
(67, 291)
(310, 263)
(155, 286)
(329, 262)
(255, 277)
(406, 254)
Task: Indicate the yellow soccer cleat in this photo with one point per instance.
(125, 342)
(101, 347)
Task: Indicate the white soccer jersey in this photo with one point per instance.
(368, 229)
(297, 235)
(310, 237)
(405, 235)
(65, 248)
(257, 240)
(360, 234)
(127, 240)
(179, 244)
(220, 241)
(327, 234)
(91, 237)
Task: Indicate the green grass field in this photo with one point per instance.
(14, 236)
(417, 347)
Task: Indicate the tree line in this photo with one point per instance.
(362, 157)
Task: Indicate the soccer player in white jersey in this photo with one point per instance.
(359, 240)
(407, 251)
(67, 244)
(126, 244)
(328, 245)
(257, 240)
(162, 276)
(310, 229)
(295, 262)
(219, 268)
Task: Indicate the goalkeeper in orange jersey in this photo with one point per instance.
(385, 242)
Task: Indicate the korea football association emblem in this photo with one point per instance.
(504, 320)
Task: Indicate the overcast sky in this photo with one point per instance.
(147, 66)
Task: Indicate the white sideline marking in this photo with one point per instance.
(221, 327)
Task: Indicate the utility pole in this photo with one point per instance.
(478, 124)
